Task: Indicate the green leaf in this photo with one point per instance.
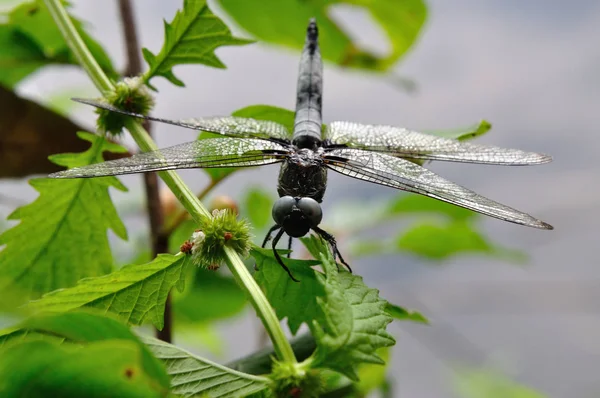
(349, 217)
(210, 296)
(62, 236)
(85, 327)
(33, 19)
(259, 112)
(258, 204)
(374, 247)
(196, 377)
(292, 300)
(351, 325)
(460, 134)
(268, 112)
(284, 23)
(110, 368)
(373, 377)
(31, 39)
(136, 293)
(439, 242)
(465, 133)
(219, 173)
(417, 204)
(19, 56)
(402, 314)
(477, 383)
(191, 38)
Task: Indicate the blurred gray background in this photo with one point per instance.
(532, 69)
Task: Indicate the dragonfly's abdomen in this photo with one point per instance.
(307, 124)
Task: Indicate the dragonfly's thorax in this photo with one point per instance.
(303, 175)
(309, 142)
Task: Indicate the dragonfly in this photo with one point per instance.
(385, 155)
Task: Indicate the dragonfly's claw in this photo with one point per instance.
(333, 244)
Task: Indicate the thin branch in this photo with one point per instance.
(160, 241)
(134, 62)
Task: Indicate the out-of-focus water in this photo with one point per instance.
(532, 70)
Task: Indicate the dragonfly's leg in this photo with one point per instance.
(331, 240)
(278, 258)
(267, 238)
(289, 247)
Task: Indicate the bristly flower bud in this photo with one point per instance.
(222, 229)
(130, 94)
(186, 247)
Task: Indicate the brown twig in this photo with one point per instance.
(134, 62)
(155, 212)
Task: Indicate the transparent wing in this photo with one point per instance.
(229, 126)
(413, 145)
(214, 152)
(401, 174)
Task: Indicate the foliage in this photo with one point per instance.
(30, 40)
(258, 204)
(442, 232)
(191, 38)
(136, 293)
(451, 239)
(283, 22)
(474, 383)
(402, 314)
(62, 235)
(193, 376)
(465, 133)
(78, 340)
(295, 301)
(350, 326)
(347, 318)
(193, 306)
(97, 352)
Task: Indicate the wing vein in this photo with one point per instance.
(401, 174)
(404, 143)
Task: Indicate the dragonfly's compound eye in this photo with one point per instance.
(311, 210)
(282, 208)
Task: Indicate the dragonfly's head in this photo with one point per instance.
(297, 215)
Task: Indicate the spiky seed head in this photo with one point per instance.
(220, 230)
(130, 94)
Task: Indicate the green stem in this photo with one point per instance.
(259, 302)
(77, 46)
(187, 198)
